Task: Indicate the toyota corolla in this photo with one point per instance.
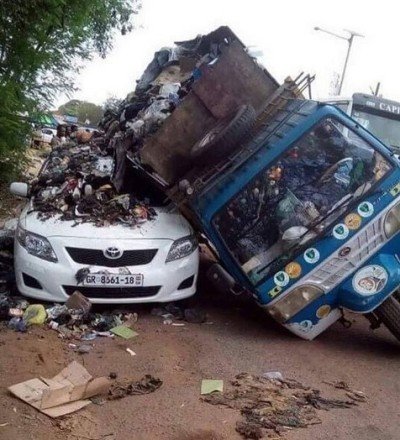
(154, 262)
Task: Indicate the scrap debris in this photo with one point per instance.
(148, 384)
(358, 396)
(72, 320)
(76, 185)
(270, 406)
(172, 311)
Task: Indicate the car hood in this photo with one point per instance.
(166, 225)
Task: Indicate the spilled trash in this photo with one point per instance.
(76, 186)
(148, 384)
(271, 406)
(172, 312)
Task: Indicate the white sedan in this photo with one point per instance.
(155, 262)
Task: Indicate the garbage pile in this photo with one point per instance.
(76, 185)
(270, 406)
(165, 82)
(73, 321)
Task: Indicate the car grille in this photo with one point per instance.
(362, 246)
(114, 292)
(95, 257)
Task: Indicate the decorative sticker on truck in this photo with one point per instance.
(365, 209)
(311, 255)
(293, 269)
(281, 279)
(340, 231)
(370, 280)
(353, 221)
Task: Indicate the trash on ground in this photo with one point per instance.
(84, 348)
(65, 393)
(35, 314)
(271, 406)
(208, 386)
(172, 312)
(78, 302)
(148, 384)
(273, 375)
(356, 395)
(124, 332)
(131, 352)
(17, 324)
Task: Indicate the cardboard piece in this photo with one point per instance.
(123, 331)
(208, 386)
(65, 393)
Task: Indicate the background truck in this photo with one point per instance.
(378, 115)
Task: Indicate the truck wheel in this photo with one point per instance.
(389, 313)
(224, 136)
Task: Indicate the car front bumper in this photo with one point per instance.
(162, 282)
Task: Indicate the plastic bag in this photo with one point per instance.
(35, 314)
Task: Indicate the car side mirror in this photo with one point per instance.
(20, 189)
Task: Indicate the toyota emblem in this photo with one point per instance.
(112, 253)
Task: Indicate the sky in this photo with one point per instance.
(282, 30)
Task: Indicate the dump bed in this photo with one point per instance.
(233, 79)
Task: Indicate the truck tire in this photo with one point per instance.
(224, 136)
(389, 313)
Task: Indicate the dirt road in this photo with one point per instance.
(237, 338)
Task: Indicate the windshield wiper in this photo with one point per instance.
(289, 253)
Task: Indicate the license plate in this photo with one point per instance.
(113, 280)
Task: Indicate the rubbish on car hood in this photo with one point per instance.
(165, 224)
(76, 185)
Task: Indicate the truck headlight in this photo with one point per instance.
(392, 221)
(182, 248)
(36, 244)
(295, 301)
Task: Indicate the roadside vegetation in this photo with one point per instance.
(43, 44)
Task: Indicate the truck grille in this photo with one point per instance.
(362, 247)
(95, 257)
(114, 292)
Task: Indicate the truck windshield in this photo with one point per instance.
(298, 197)
(386, 129)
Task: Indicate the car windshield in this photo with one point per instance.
(297, 198)
(386, 129)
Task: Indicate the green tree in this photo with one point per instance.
(112, 103)
(42, 45)
(83, 110)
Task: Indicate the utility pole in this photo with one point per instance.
(350, 42)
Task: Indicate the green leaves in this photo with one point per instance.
(42, 43)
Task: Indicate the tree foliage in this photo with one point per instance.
(112, 103)
(83, 110)
(42, 46)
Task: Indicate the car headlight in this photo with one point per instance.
(36, 244)
(392, 221)
(182, 248)
(295, 301)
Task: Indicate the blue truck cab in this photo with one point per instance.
(306, 218)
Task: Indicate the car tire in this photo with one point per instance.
(224, 137)
(389, 313)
